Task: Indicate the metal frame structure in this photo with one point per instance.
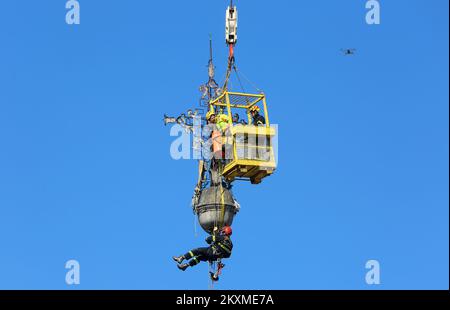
(235, 100)
(251, 169)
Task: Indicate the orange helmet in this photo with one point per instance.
(227, 231)
(255, 108)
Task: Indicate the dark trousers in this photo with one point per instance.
(201, 255)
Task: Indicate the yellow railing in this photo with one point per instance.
(252, 154)
(243, 101)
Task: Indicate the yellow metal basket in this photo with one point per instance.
(249, 153)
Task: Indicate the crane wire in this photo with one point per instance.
(248, 80)
(239, 79)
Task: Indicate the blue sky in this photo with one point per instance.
(85, 169)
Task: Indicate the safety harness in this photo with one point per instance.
(223, 246)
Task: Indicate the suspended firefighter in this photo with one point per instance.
(220, 247)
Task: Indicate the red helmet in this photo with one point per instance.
(227, 231)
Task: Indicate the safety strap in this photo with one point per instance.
(224, 247)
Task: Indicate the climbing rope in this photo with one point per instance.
(195, 226)
(222, 198)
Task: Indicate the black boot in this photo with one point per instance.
(183, 267)
(178, 259)
(214, 276)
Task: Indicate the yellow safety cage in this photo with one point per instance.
(250, 153)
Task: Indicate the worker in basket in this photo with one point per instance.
(205, 164)
(220, 247)
(257, 119)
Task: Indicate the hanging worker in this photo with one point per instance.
(257, 119)
(220, 247)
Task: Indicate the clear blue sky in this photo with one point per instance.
(85, 170)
